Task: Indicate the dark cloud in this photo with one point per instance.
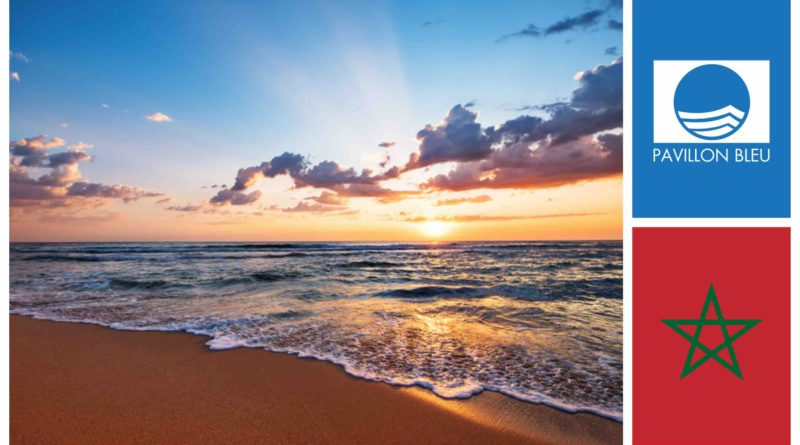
(328, 174)
(324, 175)
(457, 201)
(529, 31)
(67, 157)
(116, 191)
(595, 106)
(458, 138)
(385, 161)
(582, 21)
(520, 166)
(234, 197)
(287, 163)
(59, 183)
(32, 151)
(532, 151)
(599, 88)
(570, 141)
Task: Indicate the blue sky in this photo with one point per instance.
(245, 81)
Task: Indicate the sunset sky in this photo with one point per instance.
(377, 120)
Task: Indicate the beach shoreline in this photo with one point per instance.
(74, 382)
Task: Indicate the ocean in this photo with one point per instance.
(537, 321)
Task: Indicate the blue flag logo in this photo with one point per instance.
(711, 102)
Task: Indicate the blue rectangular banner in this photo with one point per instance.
(711, 109)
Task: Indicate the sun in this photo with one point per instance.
(435, 229)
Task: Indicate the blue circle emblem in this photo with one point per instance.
(711, 102)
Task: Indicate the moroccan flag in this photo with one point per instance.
(711, 360)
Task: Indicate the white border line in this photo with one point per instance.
(626, 209)
(794, 123)
(5, 435)
(627, 220)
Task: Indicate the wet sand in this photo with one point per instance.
(76, 383)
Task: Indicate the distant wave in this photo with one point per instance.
(275, 276)
(521, 292)
(86, 258)
(119, 283)
(369, 264)
(173, 248)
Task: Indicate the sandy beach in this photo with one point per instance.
(77, 383)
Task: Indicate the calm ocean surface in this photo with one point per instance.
(539, 321)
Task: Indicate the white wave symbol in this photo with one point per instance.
(713, 124)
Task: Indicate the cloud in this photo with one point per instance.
(81, 146)
(303, 206)
(432, 22)
(490, 218)
(186, 208)
(287, 163)
(595, 106)
(571, 141)
(14, 76)
(529, 31)
(561, 149)
(158, 117)
(116, 191)
(32, 152)
(611, 51)
(457, 201)
(106, 217)
(104, 105)
(387, 144)
(163, 200)
(67, 158)
(39, 142)
(600, 88)
(520, 166)
(458, 138)
(64, 125)
(19, 56)
(233, 197)
(582, 21)
(326, 202)
(324, 175)
(329, 198)
(61, 184)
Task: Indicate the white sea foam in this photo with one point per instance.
(540, 322)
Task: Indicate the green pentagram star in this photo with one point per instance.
(727, 342)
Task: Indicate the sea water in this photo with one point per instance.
(538, 321)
